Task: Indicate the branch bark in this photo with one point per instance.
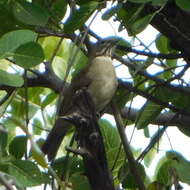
(132, 163)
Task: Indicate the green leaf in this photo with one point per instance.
(162, 44)
(6, 14)
(34, 94)
(12, 40)
(160, 3)
(80, 16)
(147, 114)
(156, 186)
(127, 179)
(18, 109)
(110, 12)
(29, 55)
(26, 173)
(14, 80)
(162, 174)
(140, 24)
(183, 4)
(49, 99)
(18, 146)
(58, 9)
(181, 165)
(168, 95)
(112, 145)
(38, 155)
(49, 44)
(61, 164)
(150, 157)
(129, 14)
(30, 13)
(80, 182)
(59, 66)
(37, 126)
(140, 1)
(3, 141)
(184, 129)
(121, 97)
(110, 133)
(122, 45)
(169, 73)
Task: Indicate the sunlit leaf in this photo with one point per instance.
(14, 80)
(59, 66)
(12, 40)
(38, 156)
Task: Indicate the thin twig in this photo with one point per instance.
(150, 54)
(156, 137)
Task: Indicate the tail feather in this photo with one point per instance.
(55, 137)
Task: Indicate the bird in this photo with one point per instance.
(99, 79)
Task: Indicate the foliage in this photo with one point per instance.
(35, 57)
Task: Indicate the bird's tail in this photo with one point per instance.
(55, 137)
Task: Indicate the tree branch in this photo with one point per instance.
(132, 163)
(150, 54)
(158, 101)
(164, 119)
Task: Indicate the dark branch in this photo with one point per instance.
(164, 119)
(158, 101)
(149, 54)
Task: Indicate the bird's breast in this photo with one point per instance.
(103, 81)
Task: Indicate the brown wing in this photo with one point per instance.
(78, 82)
(81, 80)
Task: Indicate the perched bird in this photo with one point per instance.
(99, 78)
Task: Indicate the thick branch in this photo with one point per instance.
(164, 119)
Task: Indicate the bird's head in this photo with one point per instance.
(105, 46)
